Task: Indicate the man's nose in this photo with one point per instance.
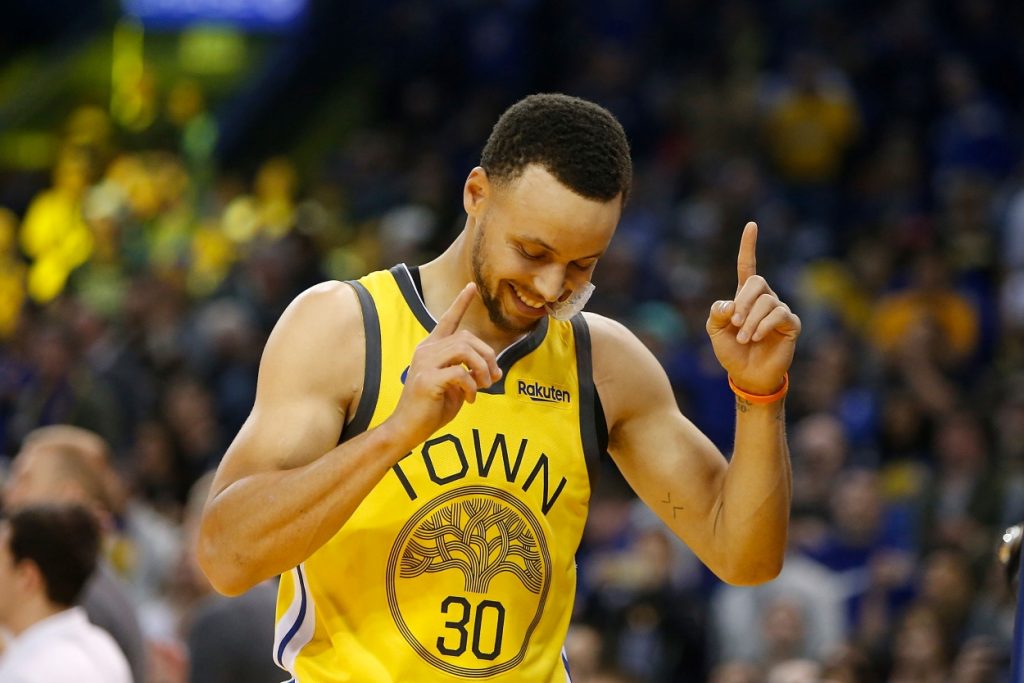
(550, 282)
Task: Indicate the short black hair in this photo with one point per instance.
(63, 541)
(578, 142)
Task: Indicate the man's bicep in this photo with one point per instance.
(310, 374)
(674, 468)
(280, 436)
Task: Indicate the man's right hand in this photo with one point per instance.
(447, 369)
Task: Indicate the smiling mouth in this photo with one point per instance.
(533, 305)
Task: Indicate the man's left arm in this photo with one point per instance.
(734, 515)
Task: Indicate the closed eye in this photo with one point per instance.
(528, 255)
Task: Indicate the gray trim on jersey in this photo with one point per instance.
(371, 371)
(508, 356)
(416, 304)
(588, 392)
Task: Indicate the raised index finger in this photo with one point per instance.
(746, 261)
(451, 318)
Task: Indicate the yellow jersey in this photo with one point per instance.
(460, 563)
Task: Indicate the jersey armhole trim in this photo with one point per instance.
(372, 367)
(407, 286)
(588, 393)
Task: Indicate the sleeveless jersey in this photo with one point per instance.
(459, 564)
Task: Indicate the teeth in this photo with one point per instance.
(528, 302)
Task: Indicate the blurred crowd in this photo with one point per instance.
(877, 144)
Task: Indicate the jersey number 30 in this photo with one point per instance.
(487, 612)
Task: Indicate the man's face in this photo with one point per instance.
(536, 242)
(34, 478)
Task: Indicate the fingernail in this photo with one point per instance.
(737, 320)
(742, 337)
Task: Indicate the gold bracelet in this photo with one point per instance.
(761, 398)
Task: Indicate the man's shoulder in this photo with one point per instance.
(301, 359)
(610, 340)
(624, 369)
(323, 306)
(326, 293)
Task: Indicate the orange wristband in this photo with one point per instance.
(761, 398)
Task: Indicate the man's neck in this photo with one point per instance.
(30, 612)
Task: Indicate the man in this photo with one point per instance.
(47, 553)
(416, 465)
(67, 464)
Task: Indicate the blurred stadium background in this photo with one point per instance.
(173, 173)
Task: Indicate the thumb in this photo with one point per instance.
(720, 316)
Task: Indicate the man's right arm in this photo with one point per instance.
(285, 486)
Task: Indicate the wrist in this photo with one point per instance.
(761, 398)
(395, 440)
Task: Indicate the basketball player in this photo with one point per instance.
(416, 463)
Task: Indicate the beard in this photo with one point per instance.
(481, 276)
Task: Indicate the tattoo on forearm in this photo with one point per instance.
(743, 405)
(668, 501)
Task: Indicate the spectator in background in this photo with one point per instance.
(655, 625)
(819, 452)
(801, 613)
(47, 554)
(54, 234)
(227, 347)
(947, 586)
(270, 210)
(962, 501)
(65, 464)
(869, 548)
(59, 388)
(920, 651)
(191, 418)
(810, 124)
(971, 133)
(904, 429)
(139, 544)
(928, 330)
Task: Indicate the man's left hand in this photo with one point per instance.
(753, 335)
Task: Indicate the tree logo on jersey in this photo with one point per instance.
(467, 580)
(479, 537)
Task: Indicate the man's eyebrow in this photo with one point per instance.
(541, 243)
(536, 240)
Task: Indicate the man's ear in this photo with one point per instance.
(29, 578)
(476, 191)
